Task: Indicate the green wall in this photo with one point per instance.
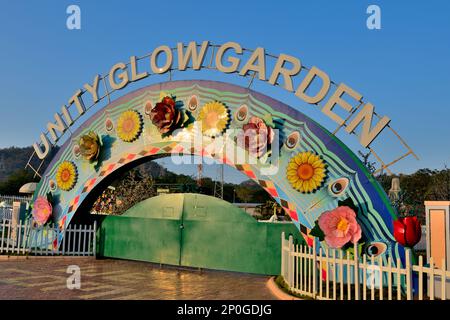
(197, 231)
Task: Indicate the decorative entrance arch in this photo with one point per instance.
(300, 140)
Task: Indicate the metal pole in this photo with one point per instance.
(95, 240)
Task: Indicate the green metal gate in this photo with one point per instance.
(197, 231)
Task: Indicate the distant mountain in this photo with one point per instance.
(250, 184)
(154, 169)
(13, 159)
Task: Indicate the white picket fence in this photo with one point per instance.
(25, 239)
(6, 213)
(422, 245)
(6, 204)
(8, 200)
(331, 275)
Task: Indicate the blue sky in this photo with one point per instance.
(403, 69)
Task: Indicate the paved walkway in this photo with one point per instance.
(46, 278)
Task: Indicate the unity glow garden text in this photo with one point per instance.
(313, 88)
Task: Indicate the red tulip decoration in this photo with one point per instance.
(407, 231)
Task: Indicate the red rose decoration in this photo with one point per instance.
(164, 115)
(407, 231)
(256, 136)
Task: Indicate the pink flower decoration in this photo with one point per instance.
(256, 136)
(42, 209)
(340, 226)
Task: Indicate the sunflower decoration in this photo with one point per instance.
(214, 118)
(306, 172)
(129, 125)
(66, 175)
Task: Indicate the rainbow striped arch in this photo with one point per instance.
(297, 134)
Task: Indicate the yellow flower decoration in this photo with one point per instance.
(66, 176)
(306, 172)
(214, 118)
(129, 125)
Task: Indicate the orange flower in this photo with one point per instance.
(306, 172)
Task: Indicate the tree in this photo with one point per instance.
(439, 188)
(365, 160)
(244, 193)
(385, 181)
(135, 187)
(15, 181)
(268, 208)
(422, 185)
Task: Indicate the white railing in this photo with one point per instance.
(23, 238)
(331, 275)
(6, 204)
(422, 245)
(6, 213)
(8, 200)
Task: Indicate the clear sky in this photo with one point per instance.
(403, 69)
